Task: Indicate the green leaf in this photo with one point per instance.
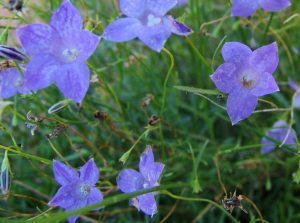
(3, 36)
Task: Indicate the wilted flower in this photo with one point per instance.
(146, 20)
(77, 190)
(130, 180)
(58, 52)
(294, 86)
(5, 176)
(279, 132)
(11, 53)
(248, 7)
(245, 76)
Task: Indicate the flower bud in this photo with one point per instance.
(11, 53)
(5, 176)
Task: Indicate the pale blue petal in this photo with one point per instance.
(129, 181)
(64, 174)
(244, 7)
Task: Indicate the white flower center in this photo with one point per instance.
(70, 54)
(152, 20)
(84, 190)
(248, 80)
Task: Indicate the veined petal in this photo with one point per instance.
(225, 77)
(244, 7)
(271, 5)
(147, 204)
(86, 43)
(178, 28)
(235, 52)
(155, 36)
(122, 30)
(95, 197)
(64, 197)
(133, 8)
(89, 173)
(36, 38)
(66, 19)
(64, 174)
(147, 158)
(40, 72)
(130, 180)
(266, 84)
(265, 59)
(240, 105)
(73, 81)
(161, 7)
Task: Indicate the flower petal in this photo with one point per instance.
(265, 59)
(240, 105)
(130, 180)
(64, 174)
(293, 85)
(40, 72)
(66, 19)
(178, 28)
(95, 197)
(266, 84)
(86, 43)
(76, 205)
(271, 5)
(36, 38)
(244, 7)
(155, 36)
(150, 170)
(9, 81)
(133, 8)
(225, 77)
(147, 204)
(64, 197)
(89, 173)
(73, 81)
(297, 101)
(122, 30)
(161, 7)
(235, 52)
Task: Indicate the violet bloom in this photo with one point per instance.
(147, 21)
(248, 7)
(294, 86)
(181, 2)
(77, 190)
(58, 52)
(279, 132)
(130, 180)
(245, 76)
(11, 82)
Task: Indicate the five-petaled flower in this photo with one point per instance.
(245, 76)
(77, 190)
(296, 102)
(58, 52)
(130, 180)
(248, 7)
(280, 133)
(146, 20)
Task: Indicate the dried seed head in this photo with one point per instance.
(101, 115)
(146, 101)
(153, 120)
(56, 132)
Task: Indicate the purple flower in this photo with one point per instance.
(245, 76)
(130, 180)
(146, 20)
(294, 86)
(77, 190)
(278, 133)
(11, 82)
(58, 52)
(248, 7)
(181, 2)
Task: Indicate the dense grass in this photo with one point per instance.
(195, 138)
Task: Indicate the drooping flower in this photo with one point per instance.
(11, 82)
(130, 180)
(280, 132)
(248, 7)
(147, 21)
(77, 190)
(58, 51)
(294, 86)
(245, 76)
